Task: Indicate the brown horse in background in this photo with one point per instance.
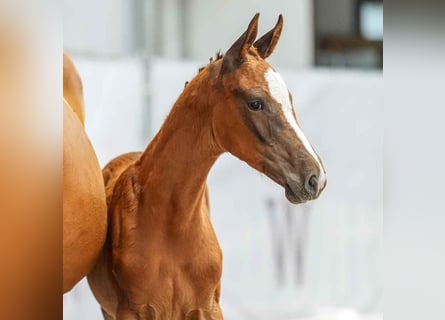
(162, 259)
(30, 171)
(84, 204)
(72, 88)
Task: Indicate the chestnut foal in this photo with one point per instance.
(162, 259)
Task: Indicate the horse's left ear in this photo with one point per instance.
(235, 56)
(267, 43)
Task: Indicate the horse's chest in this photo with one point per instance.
(182, 272)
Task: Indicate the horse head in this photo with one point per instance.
(253, 116)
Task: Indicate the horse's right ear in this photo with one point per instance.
(267, 43)
(235, 56)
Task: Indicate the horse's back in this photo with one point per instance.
(72, 88)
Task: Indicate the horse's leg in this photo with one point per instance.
(106, 315)
(141, 312)
(200, 314)
(126, 314)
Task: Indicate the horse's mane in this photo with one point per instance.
(218, 56)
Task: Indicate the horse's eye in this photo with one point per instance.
(256, 105)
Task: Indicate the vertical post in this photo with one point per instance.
(145, 28)
(184, 15)
(277, 238)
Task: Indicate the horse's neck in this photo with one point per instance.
(174, 167)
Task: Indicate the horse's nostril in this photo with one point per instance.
(313, 181)
(312, 184)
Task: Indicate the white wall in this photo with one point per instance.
(98, 27)
(192, 29)
(216, 25)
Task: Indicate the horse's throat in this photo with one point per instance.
(175, 166)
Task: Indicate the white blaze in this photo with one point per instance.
(279, 91)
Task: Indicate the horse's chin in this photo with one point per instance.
(292, 193)
(292, 197)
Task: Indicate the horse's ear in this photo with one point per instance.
(235, 56)
(267, 43)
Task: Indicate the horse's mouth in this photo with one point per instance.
(292, 196)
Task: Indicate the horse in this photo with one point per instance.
(73, 88)
(84, 202)
(162, 259)
(30, 171)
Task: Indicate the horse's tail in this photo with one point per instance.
(72, 88)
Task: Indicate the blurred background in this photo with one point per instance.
(317, 261)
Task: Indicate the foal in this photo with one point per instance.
(162, 259)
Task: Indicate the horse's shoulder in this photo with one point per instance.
(115, 168)
(122, 188)
(123, 198)
(126, 188)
